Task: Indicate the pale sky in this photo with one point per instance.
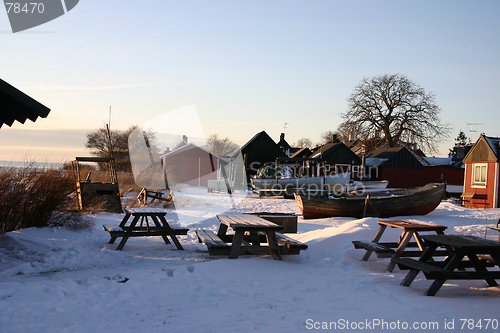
(247, 66)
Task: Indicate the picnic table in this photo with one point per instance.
(454, 267)
(394, 250)
(160, 226)
(250, 232)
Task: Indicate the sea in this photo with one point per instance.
(22, 164)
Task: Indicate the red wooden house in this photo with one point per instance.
(190, 164)
(482, 174)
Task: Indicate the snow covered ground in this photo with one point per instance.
(57, 280)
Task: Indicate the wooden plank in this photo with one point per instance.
(236, 245)
(272, 242)
(381, 250)
(210, 239)
(289, 242)
(424, 267)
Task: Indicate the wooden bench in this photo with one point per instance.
(289, 245)
(497, 228)
(154, 195)
(116, 231)
(215, 245)
(382, 251)
(430, 270)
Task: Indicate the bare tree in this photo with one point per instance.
(99, 145)
(396, 109)
(220, 147)
(303, 143)
(328, 137)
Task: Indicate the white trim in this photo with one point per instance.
(473, 178)
(495, 192)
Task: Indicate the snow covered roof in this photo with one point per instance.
(439, 160)
(374, 161)
(494, 144)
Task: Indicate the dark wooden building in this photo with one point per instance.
(302, 153)
(17, 106)
(338, 158)
(257, 151)
(398, 165)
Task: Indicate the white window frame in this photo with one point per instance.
(326, 167)
(479, 180)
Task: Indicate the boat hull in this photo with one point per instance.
(317, 183)
(418, 201)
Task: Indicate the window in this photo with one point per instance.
(479, 171)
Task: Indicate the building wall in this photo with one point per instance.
(191, 166)
(484, 197)
(442, 173)
(401, 177)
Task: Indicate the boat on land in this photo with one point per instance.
(282, 178)
(385, 203)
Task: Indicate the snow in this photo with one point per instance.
(57, 280)
(438, 160)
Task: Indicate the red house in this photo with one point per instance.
(190, 165)
(482, 174)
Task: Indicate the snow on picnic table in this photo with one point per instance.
(57, 280)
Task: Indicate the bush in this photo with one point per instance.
(29, 196)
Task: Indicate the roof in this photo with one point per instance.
(301, 152)
(189, 146)
(494, 144)
(324, 148)
(485, 149)
(93, 159)
(17, 106)
(396, 157)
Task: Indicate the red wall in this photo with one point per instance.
(454, 176)
(399, 177)
(187, 165)
(484, 196)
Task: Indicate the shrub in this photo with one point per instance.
(29, 196)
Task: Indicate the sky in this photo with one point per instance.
(246, 66)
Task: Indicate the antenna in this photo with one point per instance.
(284, 126)
(471, 130)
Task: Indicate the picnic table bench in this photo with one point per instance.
(143, 196)
(453, 267)
(394, 250)
(250, 232)
(497, 228)
(160, 228)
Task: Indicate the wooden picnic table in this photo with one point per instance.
(160, 227)
(250, 232)
(251, 224)
(411, 229)
(453, 267)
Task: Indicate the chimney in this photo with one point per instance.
(185, 138)
(282, 137)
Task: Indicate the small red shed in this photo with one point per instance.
(482, 174)
(190, 164)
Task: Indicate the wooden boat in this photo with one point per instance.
(332, 182)
(412, 201)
